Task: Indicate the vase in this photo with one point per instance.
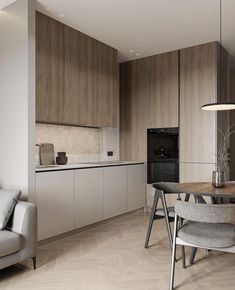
(218, 179)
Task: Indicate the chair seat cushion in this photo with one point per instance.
(208, 235)
(170, 210)
(167, 187)
(10, 242)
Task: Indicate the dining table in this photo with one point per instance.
(207, 189)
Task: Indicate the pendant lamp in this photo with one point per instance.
(219, 106)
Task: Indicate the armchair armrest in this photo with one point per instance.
(24, 222)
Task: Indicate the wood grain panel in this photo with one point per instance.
(105, 85)
(196, 172)
(164, 92)
(49, 69)
(198, 86)
(78, 78)
(134, 92)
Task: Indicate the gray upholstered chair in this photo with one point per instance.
(162, 189)
(207, 226)
(19, 241)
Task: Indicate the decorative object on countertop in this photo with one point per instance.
(61, 158)
(219, 175)
(46, 154)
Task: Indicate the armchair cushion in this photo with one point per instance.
(8, 200)
(10, 242)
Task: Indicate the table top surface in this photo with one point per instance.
(206, 188)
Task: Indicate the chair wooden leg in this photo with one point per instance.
(34, 263)
(152, 217)
(183, 257)
(172, 274)
(163, 199)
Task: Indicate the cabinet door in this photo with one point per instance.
(88, 196)
(134, 91)
(49, 69)
(163, 100)
(54, 198)
(115, 191)
(198, 86)
(78, 78)
(196, 172)
(105, 85)
(136, 186)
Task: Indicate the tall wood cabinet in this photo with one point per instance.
(200, 84)
(148, 99)
(134, 92)
(77, 77)
(163, 98)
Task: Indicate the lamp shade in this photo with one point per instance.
(218, 107)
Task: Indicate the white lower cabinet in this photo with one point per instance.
(72, 199)
(115, 191)
(135, 186)
(88, 197)
(54, 199)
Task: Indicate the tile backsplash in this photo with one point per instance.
(80, 144)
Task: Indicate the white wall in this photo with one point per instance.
(17, 97)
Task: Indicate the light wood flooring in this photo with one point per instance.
(112, 257)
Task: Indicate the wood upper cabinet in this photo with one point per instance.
(78, 78)
(148, 99)
(163, 91)
(105, 85)
(49, 69)
(198, 86)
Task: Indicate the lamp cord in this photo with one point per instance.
(220, 35)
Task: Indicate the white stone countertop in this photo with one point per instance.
(70, 166)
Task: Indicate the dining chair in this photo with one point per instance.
(162, 189)
(206, 226)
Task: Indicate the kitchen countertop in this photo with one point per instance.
(70, 166)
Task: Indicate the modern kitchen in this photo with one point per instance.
(118, 145)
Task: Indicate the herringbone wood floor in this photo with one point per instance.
(112, 257)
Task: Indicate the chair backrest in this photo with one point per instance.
(207, 213)
(167, 187)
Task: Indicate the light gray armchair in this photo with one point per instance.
(206, 226)
(19, 241)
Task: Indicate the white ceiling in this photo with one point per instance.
(147, 26)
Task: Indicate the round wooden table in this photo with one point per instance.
(206, 188)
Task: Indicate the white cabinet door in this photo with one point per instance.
(54, 198)
(115, 191)
(88, 206)
(136, 186)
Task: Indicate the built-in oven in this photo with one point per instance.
(163, 155)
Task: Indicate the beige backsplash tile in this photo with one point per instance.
(81, 144)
